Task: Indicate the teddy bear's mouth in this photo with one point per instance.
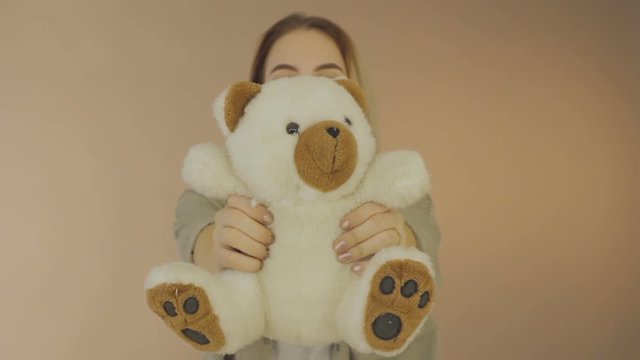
(333, 167)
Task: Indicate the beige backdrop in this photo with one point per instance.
(526, 112)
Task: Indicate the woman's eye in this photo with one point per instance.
(330, 73)
(293, 128)
(346, 119)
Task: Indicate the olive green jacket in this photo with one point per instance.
(195, 211)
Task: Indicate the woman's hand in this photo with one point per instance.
(239, 238)
(368, 229)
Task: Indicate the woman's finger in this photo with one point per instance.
(254, 210)
(230, 259)
(361, 214)
(235, 218)
(234, 238)
(361, 265)
(373, 225)
(370, 246)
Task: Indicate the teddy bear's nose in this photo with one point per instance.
(334, 132)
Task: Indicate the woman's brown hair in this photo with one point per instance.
(300, 21)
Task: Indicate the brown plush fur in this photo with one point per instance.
(356, 91)
(204, 320)
(237, 99)
(325, 162)
(404, 307)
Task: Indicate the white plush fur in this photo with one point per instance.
(208, 171)
(396, 179)
(218, 111)
(301, 284)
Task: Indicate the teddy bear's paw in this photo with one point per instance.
(400, 298)
(187, 311)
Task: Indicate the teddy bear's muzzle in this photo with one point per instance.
(326, 155)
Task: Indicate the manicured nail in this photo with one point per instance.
(344, 257)
(357, 267)
(345, 224)
(339, 246)
(267, 219)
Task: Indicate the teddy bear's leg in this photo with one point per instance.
(219, 313)
(385, 308)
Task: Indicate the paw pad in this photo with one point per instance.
(424, 299)
(191, 305)
(387, 326)
(195, 336)
(387, 285)
(169, 308)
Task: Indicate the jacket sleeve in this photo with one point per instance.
(421, 218)
(193, 213)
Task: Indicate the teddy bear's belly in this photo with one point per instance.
(302, 279)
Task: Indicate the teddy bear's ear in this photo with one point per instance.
(356, 91)
(229, 106)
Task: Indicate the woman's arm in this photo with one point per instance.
(421, 218)
(194, 213)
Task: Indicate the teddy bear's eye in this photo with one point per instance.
(293, 128)
(346, 119)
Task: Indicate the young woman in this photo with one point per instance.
(234, 234)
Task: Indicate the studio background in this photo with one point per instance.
(525, 111)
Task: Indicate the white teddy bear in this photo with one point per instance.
(303, 147)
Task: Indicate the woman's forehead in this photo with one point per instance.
(306, 48)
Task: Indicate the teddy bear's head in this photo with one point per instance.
(297, 138)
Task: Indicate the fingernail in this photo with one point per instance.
(339, 246)
(267, 218)
(254, 203)
(357, 268)
(345, 224)
(344, 257)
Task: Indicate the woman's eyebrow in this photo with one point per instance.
(284, 66)
(328, 66)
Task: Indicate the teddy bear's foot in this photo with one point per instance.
(218, 313)
(187, 311)
(386, 307)
(398, 303)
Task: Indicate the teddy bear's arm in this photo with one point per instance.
(207, 170)
(395, 179)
